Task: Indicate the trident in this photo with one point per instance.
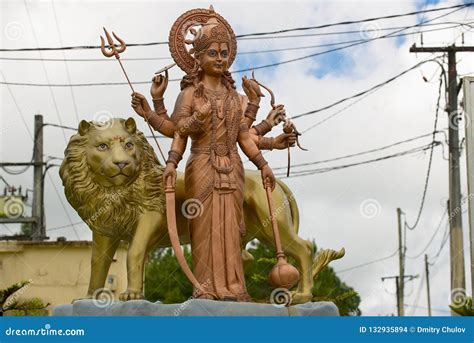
(116, 50)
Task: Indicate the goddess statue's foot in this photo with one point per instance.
(206, 296)
(244, 297)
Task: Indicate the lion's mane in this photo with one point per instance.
(112, 211)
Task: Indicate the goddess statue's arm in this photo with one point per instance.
(158, 119)
(251, 150)
(280, 142)
(250, 109)
(181, 116)
(178, 146)
(161, 121)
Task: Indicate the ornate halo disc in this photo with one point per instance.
(180, 29)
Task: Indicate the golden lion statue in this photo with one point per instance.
(117, 190)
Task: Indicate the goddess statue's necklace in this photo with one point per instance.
(226, 114)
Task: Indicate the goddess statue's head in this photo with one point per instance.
(202, 42)
(211, 47)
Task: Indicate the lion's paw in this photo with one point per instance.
(131, 295)
(300, 298)
(87, 297)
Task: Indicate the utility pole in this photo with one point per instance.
(37, 211)
(458, 280)
(400, 304)
(401, 265)
(427, 272)
(468, 85)
(400, 278)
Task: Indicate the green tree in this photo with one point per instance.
(26, 229)
(165, 281)
(327, 286)
(9, 301)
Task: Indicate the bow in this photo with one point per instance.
(288, 127)
(174, 238)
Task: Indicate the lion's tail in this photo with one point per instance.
(324, 257)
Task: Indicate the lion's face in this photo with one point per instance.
(111, 175)
(111, 154)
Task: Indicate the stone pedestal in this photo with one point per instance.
(194, 307)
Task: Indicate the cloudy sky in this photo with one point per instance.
(353, 208)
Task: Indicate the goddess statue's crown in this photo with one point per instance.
(211, 32)
(213, 28)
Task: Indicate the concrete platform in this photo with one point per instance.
(193, 307)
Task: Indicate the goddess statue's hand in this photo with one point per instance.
(140, 105)
(252, 90)
(169, 175)
(203, 108)
(284, 140)
(276, 115)
(158, 87)
(267, 177)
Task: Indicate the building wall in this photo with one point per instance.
(59, 271)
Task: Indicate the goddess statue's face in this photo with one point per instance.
(215, 60)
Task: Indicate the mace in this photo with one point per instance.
(283, 274)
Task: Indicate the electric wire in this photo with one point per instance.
(354, 96)
(431, 239)
(418, 293)
(339, 48)
(357, 154)
(244, 52)
(254, 35)
(68, 74)
(442, 245)
(430, 161)
(234, 71)
(368, 263)
(350, 22)
(44, 67)
(344, 166)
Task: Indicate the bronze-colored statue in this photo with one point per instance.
(215, 118)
